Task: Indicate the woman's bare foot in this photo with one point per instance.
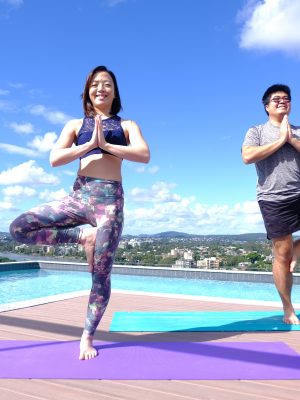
(88, 238)
(87, 351)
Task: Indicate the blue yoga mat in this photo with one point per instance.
(202, 321)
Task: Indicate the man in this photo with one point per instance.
(274, 147)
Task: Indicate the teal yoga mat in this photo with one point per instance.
(202, 321)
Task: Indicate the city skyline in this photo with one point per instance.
(191, 74)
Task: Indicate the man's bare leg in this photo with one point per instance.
(283, 277)
(87, 351)
(87, 239)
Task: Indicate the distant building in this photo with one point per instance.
(183, 264)
(244, 265)
(269, 258)
(188, 255)
(174, 252)
(177, 252)
(134, 242)
(48, 249)
(22, 246)
(122, 244)
(211, 263)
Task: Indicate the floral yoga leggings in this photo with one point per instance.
(93, 201)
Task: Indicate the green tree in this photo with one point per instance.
(253, 257)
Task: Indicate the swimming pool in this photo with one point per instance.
(23, 285)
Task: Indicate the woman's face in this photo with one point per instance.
(102, 91)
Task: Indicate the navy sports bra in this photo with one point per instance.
(112, 129)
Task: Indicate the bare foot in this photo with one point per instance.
(88, 238)
(291, 318)
(87, 351)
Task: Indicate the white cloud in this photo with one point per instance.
(39, 145)
(113, 3)
(16, 85)
(25, 127)
(4, 92)
(271, 25)
(153, 169)
(191, 217)
(248, 207)
(6, 205)
(53, 116)
(44, 143)
(14, 3)
(164, 210)
(70, 173)
(6, 105)
(141, 169)
(12, 149)
(158, 192)
(35, 92)
(27, 173)
(50, 195)
(18, 191)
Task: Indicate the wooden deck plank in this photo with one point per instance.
(63, 320)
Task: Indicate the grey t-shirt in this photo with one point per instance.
(279, 174)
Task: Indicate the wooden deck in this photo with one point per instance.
(63, 320)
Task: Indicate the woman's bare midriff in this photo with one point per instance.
(103, 166)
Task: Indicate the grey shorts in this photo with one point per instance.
(281, 218)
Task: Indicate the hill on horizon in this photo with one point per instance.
(184, 235)
(175, 234)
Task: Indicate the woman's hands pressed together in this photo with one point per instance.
(98, 131)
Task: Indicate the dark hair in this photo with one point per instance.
(88, 108)
(278, 87)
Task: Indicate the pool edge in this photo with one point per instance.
(65, 296)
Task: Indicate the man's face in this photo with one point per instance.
(279, 104)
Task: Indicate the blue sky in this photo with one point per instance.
(191, 74)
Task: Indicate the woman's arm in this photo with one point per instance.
(64, 152)
(137, 150)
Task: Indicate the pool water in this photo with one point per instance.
(29, 284)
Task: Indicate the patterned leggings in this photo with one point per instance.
(93, 201)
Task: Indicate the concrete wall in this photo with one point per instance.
(189, 273)
(195, 273)
(13, 266)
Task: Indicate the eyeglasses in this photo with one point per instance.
(278, 99)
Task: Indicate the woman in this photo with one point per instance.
(102, 140)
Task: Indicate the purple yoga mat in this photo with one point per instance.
(150, 360)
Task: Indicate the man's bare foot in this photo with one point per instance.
(88, 238)
(291, 318)
(87, 351)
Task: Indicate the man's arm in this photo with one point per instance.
(252, 154)
(294, 139)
